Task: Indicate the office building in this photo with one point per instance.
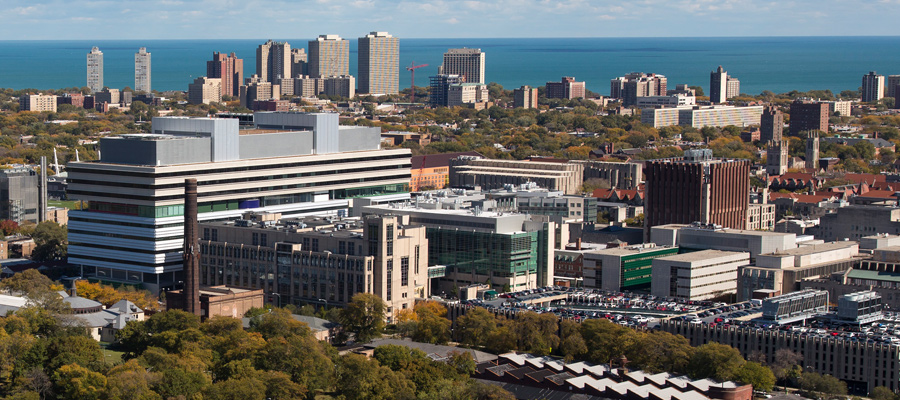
(341, 86)
(771, 125)
(706, 237)
(465, 62)
(809, 116)
(319, 260)
(379, 64)
(299, 63)
(781, 272)
(37, 102)
(507, 250)
(777, 157)
(329, 55)
(566, 88)
(696, 188)
(205, 90)
(274, 61)
(230, 70)
(701, 116)
(142, 70)
(525, 97)
(623, 268)
(637, 84)
(95, 70)
(619, 175)
(697, 276)
(872, 87)
(292, 163)
(439, 89)
(495, 174)
(718, 86)
(461, 94)
(19, 194)
(812, 150)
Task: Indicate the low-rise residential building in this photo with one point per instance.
(700, 116)
(699, 275)
(205, 90)
(37, 102)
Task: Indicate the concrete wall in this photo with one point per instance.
(358, 138)
(280, 144)
(120, 150)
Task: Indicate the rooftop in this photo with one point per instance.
(813, 249)
(703, 255)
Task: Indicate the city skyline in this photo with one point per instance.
(178, 19)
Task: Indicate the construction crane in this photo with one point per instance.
(412, 70)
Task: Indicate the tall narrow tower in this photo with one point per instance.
(191, 249)
(776, 157)
(95, 70)
(718, 86)
(142, 70)
(872, 87)
(273, 61)
(771, 125)
(812, 150)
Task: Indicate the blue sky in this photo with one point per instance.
(253, 19)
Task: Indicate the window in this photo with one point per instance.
(390, 240)
(315, 245)
(404, 271)
(417, 259)
(342, 247)
(205, 233)
(263, 240)
(215, 235)
(255, 239)
(390, 277)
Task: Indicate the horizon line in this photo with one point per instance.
(479, 38)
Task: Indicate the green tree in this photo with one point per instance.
(475, 327)
(29, 282)
(786, 364)
(432, 327)
(131, 381)
(364, 316)
(756, 374)
(278, 322)
(536, 333)
(660, 351)
(76, 382)
(50, 242)
(714, 360)
(882, 393)
(362, 378)
(571, 344)
(818, 385)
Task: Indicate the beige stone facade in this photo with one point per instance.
(205, 90)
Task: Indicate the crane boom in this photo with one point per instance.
(412, 70)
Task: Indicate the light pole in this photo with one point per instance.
(326, 303)
(279, 298)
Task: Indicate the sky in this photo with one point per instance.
(253, 19)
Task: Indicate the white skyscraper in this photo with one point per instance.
(95, 70)
(141, 70)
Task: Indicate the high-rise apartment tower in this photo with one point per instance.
(229, 69)
(142, 70)
(465, 62)
(329, 55)
(95, 70)
(872, 87)
(379, 64)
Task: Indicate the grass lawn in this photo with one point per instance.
(72, 205)
(112, 356)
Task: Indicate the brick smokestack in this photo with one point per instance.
(191, 249)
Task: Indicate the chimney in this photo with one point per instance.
(191, 289)
(578, 243)
(42, 192)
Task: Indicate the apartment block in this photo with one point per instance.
(465, 62)
(566, 88)
(872, 87)
(525, 97)
(341, 86)
(379, 63)
(142, 70)
(37, 102)
(95, 70)
(809, 116)
(701, 116)
(274, 60)
(229, 69)
(466, 93)
(637, 84)
(329, 55)
(205, 90)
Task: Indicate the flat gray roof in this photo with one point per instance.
(702, 255)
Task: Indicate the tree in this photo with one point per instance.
(131, 381)
(362, 378)
(882, 393)
(536, 333)
(475, 327)
(76, 382)
(278, 322)
(50, 242)
(30, 282)
(431, 327)
(660, 351)
(571, 344)
(786, 364)
(817, 385)
(364, 316)
(714, 360)
(9, 227)
(756, 374)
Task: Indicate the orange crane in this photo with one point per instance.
(412, 70)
